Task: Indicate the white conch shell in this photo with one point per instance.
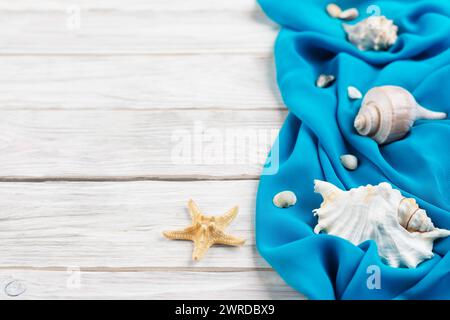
(372, 33)
(285, 199)
(388, 113)
(403, 232)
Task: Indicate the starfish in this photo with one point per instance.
(206, 231)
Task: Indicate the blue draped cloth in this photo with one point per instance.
(319, 128)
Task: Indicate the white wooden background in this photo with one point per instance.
(86, 116)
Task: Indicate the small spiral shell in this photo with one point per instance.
(412, 218)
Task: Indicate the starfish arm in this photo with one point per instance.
(200, 249)
(227, 239)
(225, 219)
(194, 210)
(186, 234)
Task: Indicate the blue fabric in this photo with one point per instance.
(319, 128)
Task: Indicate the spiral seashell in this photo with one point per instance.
(372, 33)
(388, 113)
(403, 232)
(412, 218)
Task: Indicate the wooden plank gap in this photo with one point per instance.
(167, 178)
(152, 109)
(106, 54)
(137, 269)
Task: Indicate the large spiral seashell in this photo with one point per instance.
(388, 113)
(403, 232)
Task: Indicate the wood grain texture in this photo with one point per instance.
(60, 224)
(102, 100)
(144, 285)
(129, 144)
(130, 5)
(138, 82)
(136, 32)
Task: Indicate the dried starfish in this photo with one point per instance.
(206, 231)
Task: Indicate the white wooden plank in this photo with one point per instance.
(135, 144)
(156, 5)
(143, 32)
(144, 285)
(138, 82)
(110, 224)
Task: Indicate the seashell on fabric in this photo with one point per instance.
(412, 218)
(388, 113)
(325, 80)
(373, 33)
(285, 199)
(354, 93)
(336, 12)
(349, 14)
(403, 232)
(349, 161)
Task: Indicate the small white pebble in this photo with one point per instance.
(284, 199)
(325, 80)
(354, 93)
(349, 14)
(334, 10)
(349, 161)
